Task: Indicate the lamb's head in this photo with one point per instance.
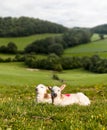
(41, 89)
(56, 91)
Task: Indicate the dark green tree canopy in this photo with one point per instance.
(100, 29)
(24, 26)
(77, 36)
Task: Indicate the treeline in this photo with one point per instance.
(46, 46)
(53, 62)
(95, 64)
(100, 29)
(70, 38)
(25, 26)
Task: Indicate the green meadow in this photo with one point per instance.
(19, 111)
(22, 42)
(17, 74)
(93, 48)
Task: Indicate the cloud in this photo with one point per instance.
(85, 13)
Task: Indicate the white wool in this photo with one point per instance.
(41, 94)
(68, 99)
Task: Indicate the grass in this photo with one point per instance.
(22, 42)
(17, 74)
(92, 48)
(18, 110)
(82, 78)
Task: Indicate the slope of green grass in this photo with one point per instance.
(19, 75)
(92, 48)
(22, 42)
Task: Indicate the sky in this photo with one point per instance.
(70, 13)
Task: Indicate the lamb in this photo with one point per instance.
(41, 94)
(67, 99)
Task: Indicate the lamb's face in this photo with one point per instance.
(55, 91)
(41, 89)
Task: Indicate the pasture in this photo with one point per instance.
(18, 110)
(96, 47)
(22, 42)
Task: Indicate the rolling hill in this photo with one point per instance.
(97, 46)
(22, 42)
(26, 26)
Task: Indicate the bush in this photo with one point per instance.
(55, 77)
(19, 58)
(95, 64)
(10, 48)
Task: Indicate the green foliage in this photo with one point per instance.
(45, 46)
(95, 64)
(71, 62)
(11, 48)
(55, 77)
(100, 29)
(53, 62)
(101, 36)
(56, 48)
(50, 63)
(25, 26)
(77, 36)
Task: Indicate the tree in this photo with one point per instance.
(101, 36)
(77, 36)
(11, 48)
(56, 48)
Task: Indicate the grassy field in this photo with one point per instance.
(92, 48)
(17, 74)
(18, 110)
(22, 42)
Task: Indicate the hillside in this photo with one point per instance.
(25, 26)
(22, 42)
(97, 46)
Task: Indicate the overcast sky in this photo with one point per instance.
(71, 13)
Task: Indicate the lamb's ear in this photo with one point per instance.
(49, 88)
(62, 87)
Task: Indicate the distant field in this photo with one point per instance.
(95, 37)
(22, 42)
(92, 48)
(17, 74)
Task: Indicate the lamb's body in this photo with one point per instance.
(68, 99)
(77, 98)
(41, 94)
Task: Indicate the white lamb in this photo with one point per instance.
(67, 99)
(41, 94)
